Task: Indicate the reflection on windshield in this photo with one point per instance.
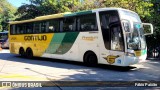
(136, 40)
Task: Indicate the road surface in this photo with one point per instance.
(15, 68)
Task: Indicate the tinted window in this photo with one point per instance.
(87, 23)
(36, 27)
(53, 26)
(17, 31)
(111, 30)
(12, 29)
(29, 28)
(43, 27)
(104, 21)
(69, 24)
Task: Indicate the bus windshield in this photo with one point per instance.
(3, 36)
(136, 40)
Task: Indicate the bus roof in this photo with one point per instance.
(40, 18)
(111, 8)
(66, 14)
(78, 13)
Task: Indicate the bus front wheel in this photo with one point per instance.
(29, 53)
(22, 52)
(90, 59)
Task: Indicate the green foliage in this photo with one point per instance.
(27, 12)
(45, 7)
(6, 13)
(142, 7)
(0, 27)
(88, 5)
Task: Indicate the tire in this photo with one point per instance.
(29, 53)
(90, 59)
(22, 52)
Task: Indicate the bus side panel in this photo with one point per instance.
(88, 41)
(73, 46)
(35, 41)
(61, 45)
(70, 46)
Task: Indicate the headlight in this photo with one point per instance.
(130, 54)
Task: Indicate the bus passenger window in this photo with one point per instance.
(111, 30)
(29, 28)
(36, 27)
(53, 26)
(12, 29)
(43, 27)
(113, 19)
(21, 29)
(104, 21)
(51, 29)
(61, 26)
(116, 33)
(17, 29)
(116, 38)
(69, 24)
(47, 27)
(87, 23)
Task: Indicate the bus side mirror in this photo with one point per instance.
(148, 28)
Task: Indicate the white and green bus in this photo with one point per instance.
(111, 36)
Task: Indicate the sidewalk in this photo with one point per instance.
(153, 59)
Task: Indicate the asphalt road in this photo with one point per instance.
(15, 68)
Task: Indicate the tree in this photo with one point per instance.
(45, 7)
(142, 7)
(6, 13)
(88, 5)
(27, 12)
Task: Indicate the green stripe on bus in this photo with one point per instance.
(67, 42)
(144, 52)
(55, 42)
(84, 12)
(62, 42)
(78, 13)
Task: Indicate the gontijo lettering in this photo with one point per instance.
(35, 38)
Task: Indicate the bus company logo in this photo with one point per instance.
(35, 38)
(92, 38)
(111, 59)
(6, 84)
